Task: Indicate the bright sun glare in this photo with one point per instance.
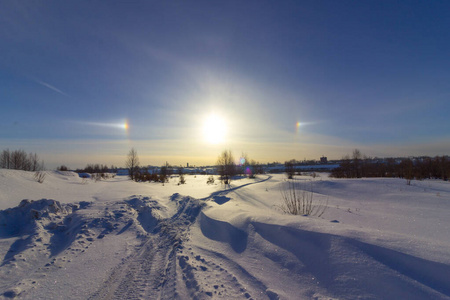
(214, 129)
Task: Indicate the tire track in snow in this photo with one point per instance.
(150, 273)
(141, 275)
(222, 277)
(161, 268)
(220, 196)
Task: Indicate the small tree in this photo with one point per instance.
(164, 173)
(248, 167)
(5, 159)
(132, 163)
(34, 163)
(357, 163)
(62, 168)
(226, 166)
(290, 168)
(19, 160)
(182, 179)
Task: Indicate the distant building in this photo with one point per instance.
(323, 160)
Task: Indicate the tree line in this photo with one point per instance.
(94, 168)
(359, 166)
(227, 168)
(137, 173)
(20, 160)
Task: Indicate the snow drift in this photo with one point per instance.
(116, 239)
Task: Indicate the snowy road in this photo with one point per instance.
(150, 272)
(162, 267)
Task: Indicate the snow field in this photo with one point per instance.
(117, 239)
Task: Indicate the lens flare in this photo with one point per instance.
(248, 171)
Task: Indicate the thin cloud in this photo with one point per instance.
(51, 87)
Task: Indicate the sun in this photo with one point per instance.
(214, 129)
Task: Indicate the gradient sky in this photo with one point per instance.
(291, 79)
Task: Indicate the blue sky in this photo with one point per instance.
(373, 75)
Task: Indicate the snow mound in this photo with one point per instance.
(223, 232)
(338, 262)
(15, 185)
(30, 215)
(147, 215)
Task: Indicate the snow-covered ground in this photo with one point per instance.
(118, 239)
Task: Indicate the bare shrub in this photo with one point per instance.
(154, 177)
(180, 173)
(299, 201)
(182, 180)
(210, 180)
(290, 168)
(39, 176)
(96, 177)
(62, 168)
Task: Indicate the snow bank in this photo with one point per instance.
(25, 217)
(17, 185)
